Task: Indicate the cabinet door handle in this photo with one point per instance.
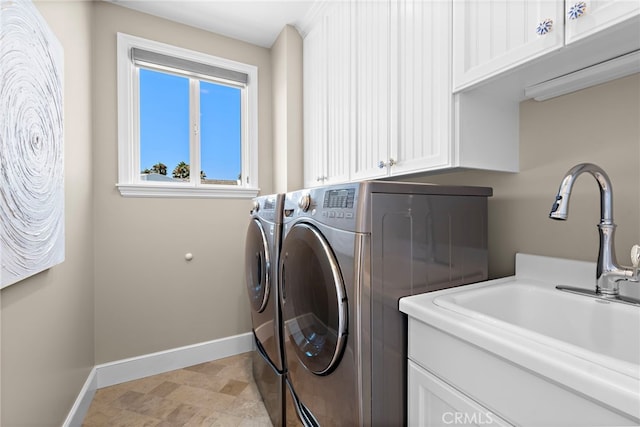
(544, 27)
(382, 164)
(577, 10)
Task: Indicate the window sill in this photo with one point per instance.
(175, 191)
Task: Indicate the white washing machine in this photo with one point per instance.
(263, 241)
(349, 253)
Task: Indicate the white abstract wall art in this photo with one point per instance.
(31, 143)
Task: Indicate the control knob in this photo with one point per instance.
(256, 206)
(305, 202)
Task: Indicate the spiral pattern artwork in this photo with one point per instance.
(31, 143)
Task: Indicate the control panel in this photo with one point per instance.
(269, 203)
(334, 206)
(265, 207)
(338, 203)
(339, 198)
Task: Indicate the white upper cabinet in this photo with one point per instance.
(328, 97)
(587, 17)
(314, 105)
(493, 36)
(382, 91)
(403, 87)
(422, 131)
(374, 97)
(339, 92)
(397, 87)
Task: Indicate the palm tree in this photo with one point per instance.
(181, 171)
(160, 168)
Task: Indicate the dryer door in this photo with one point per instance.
(258, 265)
(314, 301)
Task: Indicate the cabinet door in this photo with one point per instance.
(493, 36)
(422, 139)
(587, 17)
(373, 62)
(340, 130)
(432, 402)
(315, 104)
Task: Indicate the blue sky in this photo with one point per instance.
(164, 124)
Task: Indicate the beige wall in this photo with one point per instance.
(598, 125)
(286, 57)
(148, 298)
(47, 320)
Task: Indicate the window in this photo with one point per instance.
(181, 111)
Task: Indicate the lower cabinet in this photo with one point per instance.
(456, 380)
(432, 402)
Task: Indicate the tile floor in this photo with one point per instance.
(217, 393)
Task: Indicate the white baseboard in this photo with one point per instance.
(177, 358)
(146, 365)
(83, 401)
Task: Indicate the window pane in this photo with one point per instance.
(164, 126)
(220, 118)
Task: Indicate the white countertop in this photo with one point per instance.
(614, 384)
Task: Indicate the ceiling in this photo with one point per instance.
(254, 21)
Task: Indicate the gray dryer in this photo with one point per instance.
(349, 253)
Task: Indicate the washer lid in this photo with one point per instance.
(314, 301)
(258, 266)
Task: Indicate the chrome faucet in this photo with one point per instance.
(608, 272)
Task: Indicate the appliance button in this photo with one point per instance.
(339, 214)
(348, 215)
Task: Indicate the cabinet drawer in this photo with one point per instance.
(432, 402)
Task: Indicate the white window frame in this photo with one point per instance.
(129, 182)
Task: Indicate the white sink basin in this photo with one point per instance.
(517, 344)
(604, 332)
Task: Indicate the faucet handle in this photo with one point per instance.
(635, 260)
(635, 256)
